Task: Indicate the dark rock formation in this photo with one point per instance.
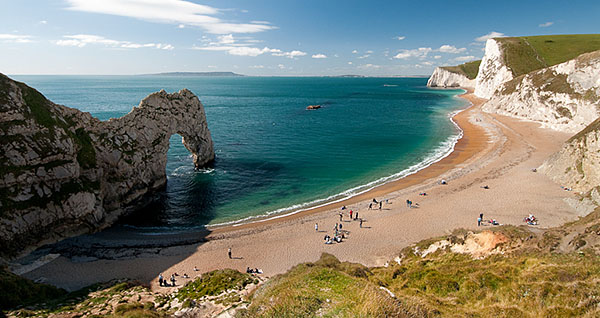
(64, 172)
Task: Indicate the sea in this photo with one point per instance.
(274, 157)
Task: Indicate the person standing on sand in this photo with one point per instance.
(173, 280)
(361, 223)
(341, 215)
(356, 215)
(407, 203)
(380, 204)
(370, 206)
(229, 252)
(479, 221)
(160, 279)
(316, 227)
(350, 214)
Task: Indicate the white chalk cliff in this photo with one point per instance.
(493, 72)
(563, 97)
(65, 172)
(577, 164)
(442, 77)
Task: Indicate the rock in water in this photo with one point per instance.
(64, 172)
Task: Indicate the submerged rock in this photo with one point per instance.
(64, 172)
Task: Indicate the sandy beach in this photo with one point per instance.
(496, 151)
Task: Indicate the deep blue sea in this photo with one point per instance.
(272, 155)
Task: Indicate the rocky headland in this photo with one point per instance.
(65, 172)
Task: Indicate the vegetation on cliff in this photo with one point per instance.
(529, 53)
(469, 69)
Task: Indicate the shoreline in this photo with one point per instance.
(466, 142)
(495, 150)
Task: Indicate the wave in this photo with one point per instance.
(437, 154)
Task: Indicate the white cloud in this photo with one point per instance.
(355, 52)
(319, 56)
(43, 22)
(256, 66)
(451, 49)
(226, 39)
(420, 53)
(400, 38)
(168, 11)
(369, 66)
(181, 26)
(369, 52)
(364, 56)
(490, 35)
(349, 63)
(15, 38)
(81, 40)
(464, 58)
(437, 57)
(281, 66)
(291, 55)
(546, 24)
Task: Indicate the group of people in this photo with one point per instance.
(531, 220)
(253, 271)
(490, 221)
(163, 282)
(409, 203)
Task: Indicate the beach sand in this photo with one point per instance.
(496, 151)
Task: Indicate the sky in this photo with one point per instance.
(268, 37)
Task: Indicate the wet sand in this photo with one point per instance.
(496, 151)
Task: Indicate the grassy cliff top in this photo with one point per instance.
(529, 53)
(469, 69)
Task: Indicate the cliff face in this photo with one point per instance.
(563, 97)
(64, 172)
(444, 78)
(577, 164)
(492, 70)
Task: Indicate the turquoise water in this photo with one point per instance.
(272, 155)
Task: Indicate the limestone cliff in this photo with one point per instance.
(563, 97)
(577, 164)
(492, 71)
(64, 172)
(442, 77)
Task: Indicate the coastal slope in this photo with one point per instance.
(65, 172)
(455, 76)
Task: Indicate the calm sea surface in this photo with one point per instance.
(273, 156)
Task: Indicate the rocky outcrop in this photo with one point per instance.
(442, 77)
(563, 97)
(64, 172)
(577, 164)
(492, 72)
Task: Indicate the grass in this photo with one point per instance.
(321, 289)
(469, 69)
(16, 291)
(530, 53)
(214, 283)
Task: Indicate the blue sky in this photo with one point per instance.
(260, 37)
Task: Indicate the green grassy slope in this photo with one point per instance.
(469, 69)
(529, 53)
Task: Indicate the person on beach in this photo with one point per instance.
(479, 221)
(380, 202)
(361, 223)
(356, 215)
(341, 215)
(173, 280)
(343, 208)
(316, 227)
(160, 279)
(350, 214)
(370, 206)
(375, 201)
(481, 216)
(229, 252)
(340, 226)
(407, 203)
(335, 228)
(195, 269)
